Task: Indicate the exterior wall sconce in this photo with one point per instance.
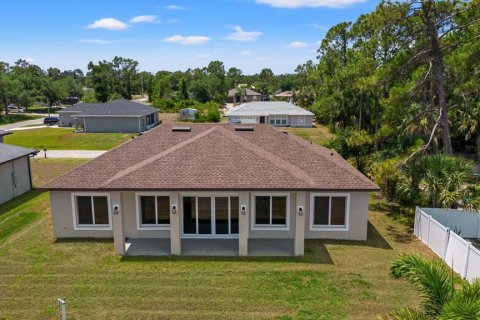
(116, 209)
(243, 209)
(174, 209)
(300, 210)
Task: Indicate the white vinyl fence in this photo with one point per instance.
(458, 253)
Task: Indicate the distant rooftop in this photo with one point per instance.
(247, 92)
(119, 107)
(4, 133)
(265, 108)
(285, 94)
(9, 152)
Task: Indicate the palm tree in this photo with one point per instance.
(444, 296)
(469, 120)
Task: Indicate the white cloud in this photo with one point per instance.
(95, 41)
(241, 35)
(319, 26)
(297, 44)
(204, 55)
(175, 7)
(245, 53)
(187, 40)
(109, 24)
(144, 19)
(29, 60)
(309, 3)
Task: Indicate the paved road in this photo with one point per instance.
(21, 124)
(86, 154)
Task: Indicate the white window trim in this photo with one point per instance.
(212, 197)
(317, 227)
(141, 226)
(76, 226)
(254, 226)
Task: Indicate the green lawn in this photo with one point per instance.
(335, 280)
(319, 134)
(66, 139)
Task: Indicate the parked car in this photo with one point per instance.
(51, 120)
(15, 109)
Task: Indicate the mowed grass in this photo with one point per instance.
(319, 134)
(66, 139)
(45, 170)
(335, 279)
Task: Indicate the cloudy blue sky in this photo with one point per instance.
(171, 35)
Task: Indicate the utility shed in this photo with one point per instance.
(3, 133)
(113, 116)
(276, 113)
(15, 174)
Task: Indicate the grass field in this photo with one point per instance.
(319, 134)
(66, 139)
(335, 279)
(14, 117)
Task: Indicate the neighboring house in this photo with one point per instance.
(113, 116)
(4, 133)
(15, 175)
(243, 95)
(285, 96)
(277, 113)
(187, 114)
(245, 189)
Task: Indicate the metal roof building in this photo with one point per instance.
(277, 113)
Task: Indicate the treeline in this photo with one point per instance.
(400, 87)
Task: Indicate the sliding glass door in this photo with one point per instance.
(214, 216)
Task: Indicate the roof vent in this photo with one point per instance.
(244, 129)
(181, 129)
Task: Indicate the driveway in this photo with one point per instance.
(86, 154)
(21, 124)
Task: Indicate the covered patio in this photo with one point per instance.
(209, 247)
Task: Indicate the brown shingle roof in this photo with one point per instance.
(215, 157)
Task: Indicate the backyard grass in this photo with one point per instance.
(319, 134)
(335, 279)
(66, 139)
(45, 170)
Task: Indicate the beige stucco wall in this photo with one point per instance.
(62, 218)
(7, 189)
(358, 220)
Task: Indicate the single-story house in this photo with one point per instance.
(187, 113)
(4, 133)
(243, 95)
(113, 116)
(277, 113)
(217, 189)
(15, 175)
(285, 96)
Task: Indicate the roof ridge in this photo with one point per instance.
(158, 156)
(267, 155)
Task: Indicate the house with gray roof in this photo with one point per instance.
(15, 174)
(4, 133)
(113, 116)
(276, 113)
(240, 95)
(212, 189)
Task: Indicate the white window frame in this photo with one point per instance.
(212, 197)
(254, 226)
(329, 227)
(138, 206)
(77, 226)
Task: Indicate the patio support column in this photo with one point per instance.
(175, 241)
(300, 224)
(243, 220)
(118, 223)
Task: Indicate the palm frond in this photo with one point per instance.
(405, 314)
(432, 277)
(465, 305)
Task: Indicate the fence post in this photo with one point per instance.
(428, 234)
(62, 309)
(467, 256)
(447, 240)
(416, 227)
